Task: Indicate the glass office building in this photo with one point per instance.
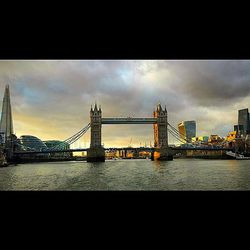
(29, 142)
(187, 130)
(243, 121)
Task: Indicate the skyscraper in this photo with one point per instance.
(243, 120)
(239, 129)
(187, 130)
(6, 123)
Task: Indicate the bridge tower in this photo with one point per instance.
(96, 151)
(160, 128)
(162, 151)
(96, 126)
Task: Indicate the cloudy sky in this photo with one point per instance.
(51, 99)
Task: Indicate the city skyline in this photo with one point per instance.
(52, 99)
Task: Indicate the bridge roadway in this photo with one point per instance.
(129, 120)
(113, 149)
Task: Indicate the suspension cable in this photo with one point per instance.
(73, 138)
(59, 145)
(176, 137)
(177, 130)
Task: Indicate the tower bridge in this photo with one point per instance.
(160, 126)
(96, 152)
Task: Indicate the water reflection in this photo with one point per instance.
(96, 164)
(233, 165)
(160, 166)
(157, 165)
(129, 175)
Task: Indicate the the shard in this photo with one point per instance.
(6, 124)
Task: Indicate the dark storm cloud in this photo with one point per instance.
(212, 83)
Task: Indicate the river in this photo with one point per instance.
(179, 174)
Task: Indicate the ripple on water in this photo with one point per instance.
(180, 174)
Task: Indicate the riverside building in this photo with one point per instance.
(187, 130)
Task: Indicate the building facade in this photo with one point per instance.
(239, 129)
(30, 142)
(200, 139)
(187, 130)
(243, 120)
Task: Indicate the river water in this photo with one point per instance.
(179, 174)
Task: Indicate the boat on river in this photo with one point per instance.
(242, 157)
(237, 156)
